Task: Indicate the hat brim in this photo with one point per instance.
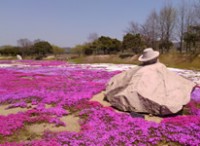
(142, 59)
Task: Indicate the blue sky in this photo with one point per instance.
(67, 23)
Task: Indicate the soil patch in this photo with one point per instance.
(70, 121)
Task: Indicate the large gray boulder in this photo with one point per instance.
(149, 89)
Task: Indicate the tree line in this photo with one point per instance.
(171, 27)
(37, 49)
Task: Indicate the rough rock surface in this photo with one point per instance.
(149, 89)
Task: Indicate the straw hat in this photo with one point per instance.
(148, 54)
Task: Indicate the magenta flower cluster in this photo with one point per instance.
(68, 88)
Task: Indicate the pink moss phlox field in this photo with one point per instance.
(42, 142)
(196, 94)
(106, 127)
(194, 104)
(42, 63)
(9, 124)
(53, 89)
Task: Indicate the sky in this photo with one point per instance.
(67, 23)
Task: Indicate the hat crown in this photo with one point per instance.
(148, 53)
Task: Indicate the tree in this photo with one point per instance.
(106, 45)
(103, 44)
(197, 11)
(42, 49)
(184, 20)
(167, 19)
(192, 38)
(150, 29)
(37, 41)
(57, 50)
(25, 46)
(88, 49)
(24, 43)
(115, 46)
(134, 28)
(92, 37)
(127, 42)
(181, 23)
(133, 42)
(10, 50)
(78, 49)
